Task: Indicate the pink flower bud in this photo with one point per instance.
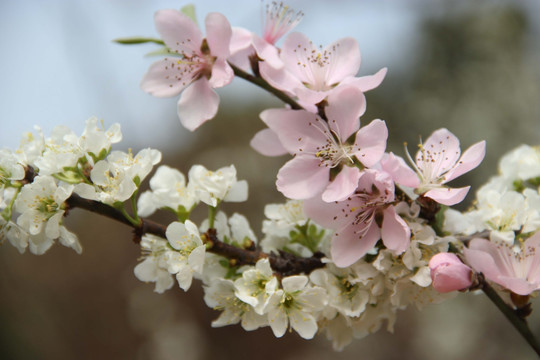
(449, 273)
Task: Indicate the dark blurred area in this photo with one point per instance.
(476, 73)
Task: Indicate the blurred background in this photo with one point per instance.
(470, 66)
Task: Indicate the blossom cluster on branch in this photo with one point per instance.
(361, 234)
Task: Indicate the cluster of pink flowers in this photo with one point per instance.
(339, 165)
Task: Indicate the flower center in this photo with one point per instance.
(47, 206)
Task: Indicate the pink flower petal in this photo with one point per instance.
(532, 245)
(197, 104)
(343, 185)
(366, 83)
(166, 78)
(240, 58)
(267, 52)
(222, 74)
(345, 106)
(484, 256)
(302, 178)
(401, 173)
(279, 78)
(298, 130)
(324, 213)
(500, 264)
(482, 262)
(348, 246)
(443, 258)
(344, 59)
(395, 233)
(218, 34)
(381, 180)
(178, 31)
(240, 39)
(295, 53)
(267, 143)
(310, 96)
(371, 140)
(517, 285)
(440, 152)
(448, 273)
(470, 159)
(448, 196)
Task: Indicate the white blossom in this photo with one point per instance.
(213, 187)
(256, 285)
(154, 266)
(220, 295)
(168, 190)
(10, 168)
(117, 177)
(61, 150)
(346, 293)
(500, 210)
(41, 206)
(189, 255)
(295, 304)
(521, 163)
(31, 147)
(234, 230)
(95, 139)
(282, 219)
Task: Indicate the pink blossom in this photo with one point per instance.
(319, 146)
(362, 219)
(311, 74)
(448, 273)
(199, 68)
(279, 20)
(516, 268)
(437, 162)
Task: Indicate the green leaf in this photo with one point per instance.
(232, 272)
(307, 235)
(189, 11)
(138, 40)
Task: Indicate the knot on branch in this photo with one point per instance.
(285, 264)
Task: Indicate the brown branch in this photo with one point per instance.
(286, 264)
(513, 315)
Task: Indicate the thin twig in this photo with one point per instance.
(260, 82)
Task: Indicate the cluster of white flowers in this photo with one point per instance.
(344, 302)
(509, 204)
(38, 179)
(168, 190)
